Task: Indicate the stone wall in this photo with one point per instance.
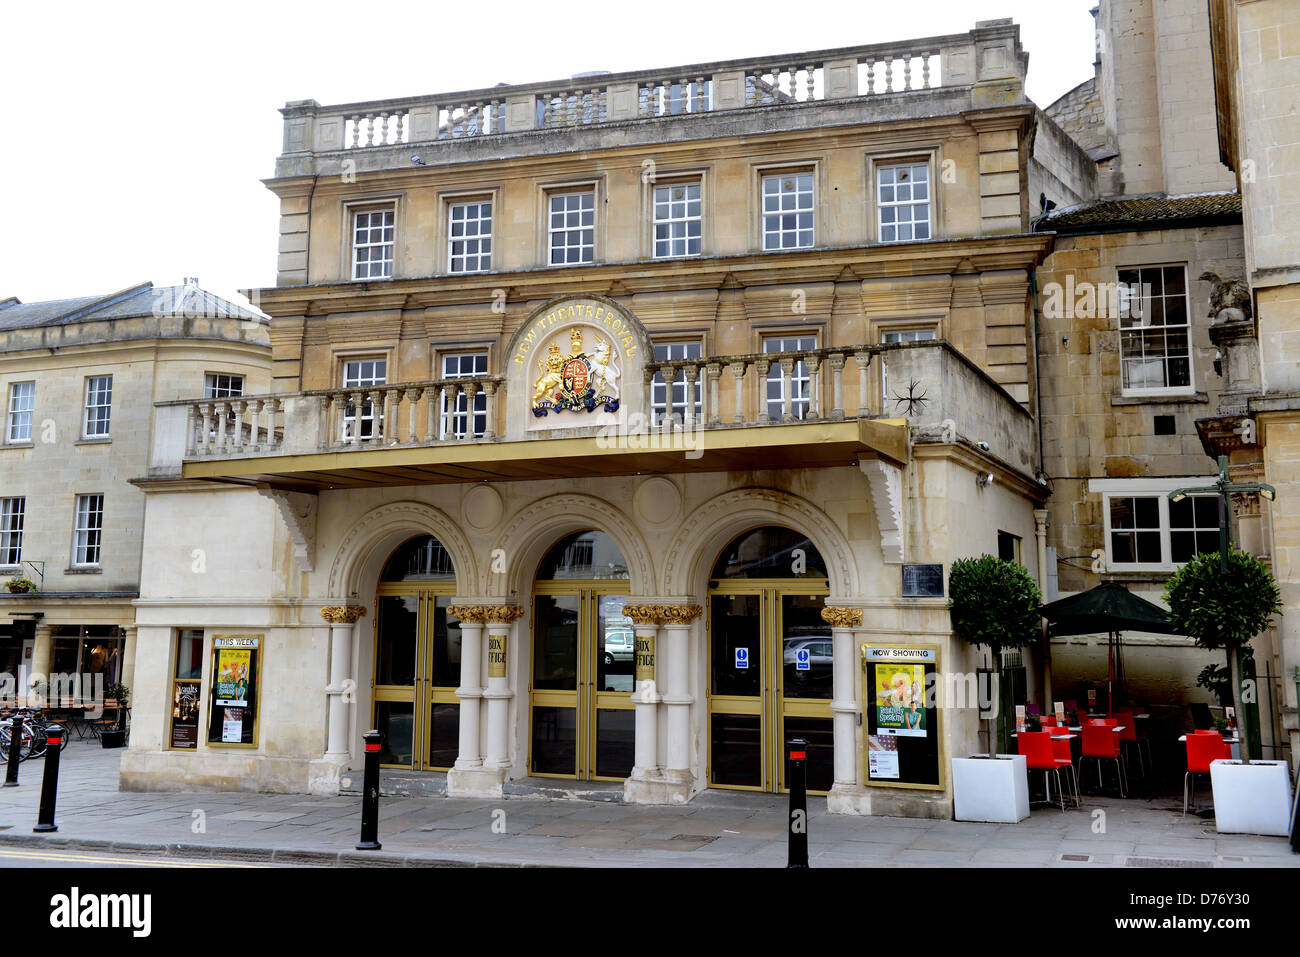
(1090, 428)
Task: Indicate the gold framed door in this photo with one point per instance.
(417, 671)
(762, 691)
(581, 716)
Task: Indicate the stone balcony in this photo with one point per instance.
(314, 440)
(941, 75)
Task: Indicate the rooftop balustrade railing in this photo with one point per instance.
(990, 52)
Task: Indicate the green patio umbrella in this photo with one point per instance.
(1112, 608)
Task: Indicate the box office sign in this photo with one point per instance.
(496, 655)
(236, 667)
(900, 717)
(645, 658)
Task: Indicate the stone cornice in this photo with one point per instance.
(986, 253)
(342, 614)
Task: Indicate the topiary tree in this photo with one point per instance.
(994, 604)
(1224, 607)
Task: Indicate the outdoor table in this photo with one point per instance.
(74, 718)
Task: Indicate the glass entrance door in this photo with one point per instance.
(770, 680)
(417, 671)
(583, 722)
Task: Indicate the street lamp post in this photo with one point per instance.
(1223, 488)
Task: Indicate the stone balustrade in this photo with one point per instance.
(991, 53)
(941, 393)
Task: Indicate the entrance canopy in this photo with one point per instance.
(1109, 607)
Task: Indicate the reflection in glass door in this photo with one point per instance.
(417, 671)
(770, 680)
(583, 722)
(417, 659)
(770, 662)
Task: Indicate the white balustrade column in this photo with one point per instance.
(470, 692)
(844, 703)
(837, 387)
(498, 693)
(341, 689)
(677, 697)
(864, 360)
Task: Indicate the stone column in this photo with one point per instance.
(342, 620)
(677, 697)
(498, 693)
(42, 658)
(126, 673)
(646, 694)
(470, 692)
(844, 703)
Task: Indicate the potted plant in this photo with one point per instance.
(1224, 603)
(19, 585)
(115, 737)
(994, 605)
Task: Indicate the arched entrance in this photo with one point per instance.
(417, 658)
(581, 718)
(769, 659)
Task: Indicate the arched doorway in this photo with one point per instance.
(582, 722)
(770, 675)
(417, 658)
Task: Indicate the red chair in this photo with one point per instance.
(1202, 748)
(1036, 746)
(1065, 759)
(1100, 742)
(1049, 721)
(1129, 736)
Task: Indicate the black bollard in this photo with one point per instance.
(798, 780)
(50, 783)
(370, 795)
(15, 750)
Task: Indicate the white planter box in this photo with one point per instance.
(1251, 798)
(995, 790)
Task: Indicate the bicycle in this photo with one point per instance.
(35, 725)
(25, 745)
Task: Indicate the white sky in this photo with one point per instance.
(135, 135)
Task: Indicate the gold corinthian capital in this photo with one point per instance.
(503, 614)
(342, 614)
(679, 614)
(842, 617)
(644, 614)
(469, 614)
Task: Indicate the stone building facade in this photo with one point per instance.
(78, 379)
(587, 395)
(1135, 381)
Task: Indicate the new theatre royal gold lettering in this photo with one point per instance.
(496, 656)
(620, 330)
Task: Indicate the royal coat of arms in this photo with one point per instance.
(577, 382)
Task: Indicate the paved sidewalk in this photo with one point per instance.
(717, 829)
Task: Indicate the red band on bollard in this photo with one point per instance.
(53, 740)
(372, 747)
(798, 755)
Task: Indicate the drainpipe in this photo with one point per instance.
(1041, 515)
(1040, 534)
